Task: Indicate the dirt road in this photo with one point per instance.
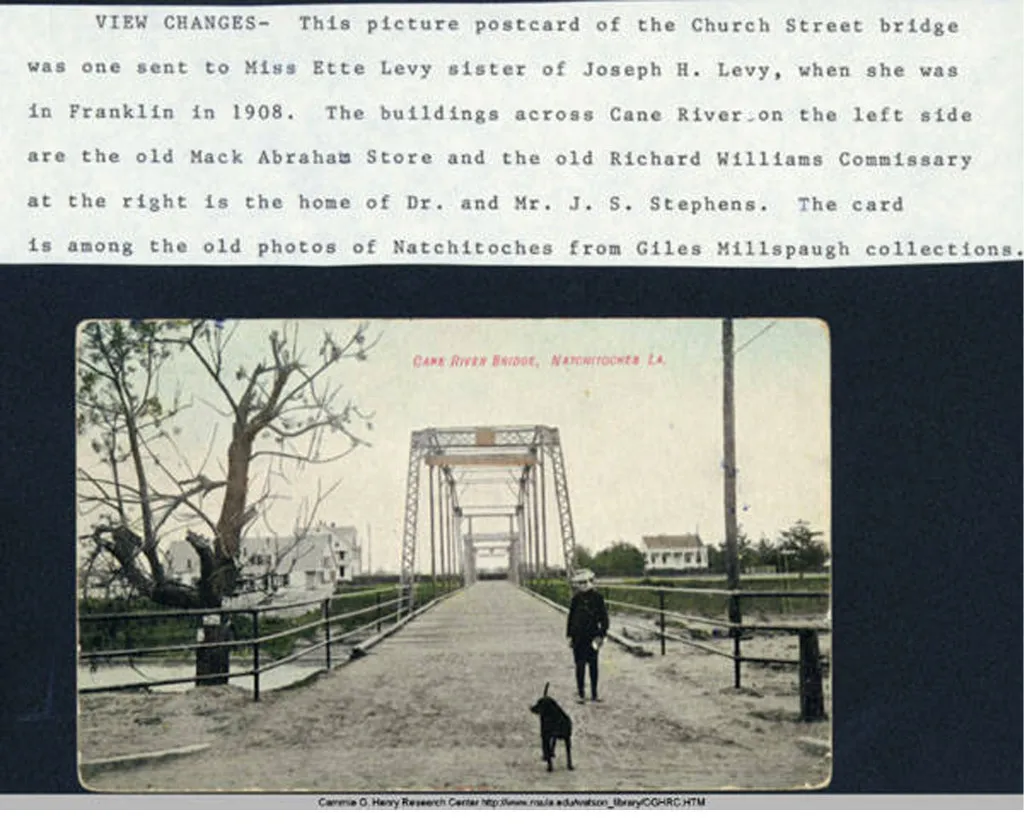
(444, 705)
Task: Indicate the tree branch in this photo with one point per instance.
(270, 453)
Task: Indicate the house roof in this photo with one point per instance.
(290, 552)
(663, 542)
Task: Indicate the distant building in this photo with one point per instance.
(312, 562)
(674, 553)
(181, 563)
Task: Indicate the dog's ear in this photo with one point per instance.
(546, 688)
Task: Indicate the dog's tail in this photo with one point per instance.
(546, 688)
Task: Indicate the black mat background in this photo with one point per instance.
(927, 431)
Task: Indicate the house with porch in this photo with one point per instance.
(674, 553)
(314, 561)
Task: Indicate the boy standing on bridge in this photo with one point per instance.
(585, 630)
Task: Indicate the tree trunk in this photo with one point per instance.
(236, 491)
(219, 564)
(216, 660)
(174, 595)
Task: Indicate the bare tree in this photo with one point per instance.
(285, 411)
(122, 417)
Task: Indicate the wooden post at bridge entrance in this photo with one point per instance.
(812, 696)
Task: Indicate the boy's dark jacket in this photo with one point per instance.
(588, 616)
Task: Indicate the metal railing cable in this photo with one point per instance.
(387, 601)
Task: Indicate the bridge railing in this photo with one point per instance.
(660, 606)
(323, 624)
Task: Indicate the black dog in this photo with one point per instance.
(554, 725)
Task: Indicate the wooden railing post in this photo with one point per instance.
(327, 631)
(812, 698)
(255, 654)
(378, 618)
(661, 607)
(736, 616)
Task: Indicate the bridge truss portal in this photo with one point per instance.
(454, 458)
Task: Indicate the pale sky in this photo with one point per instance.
(642, 444)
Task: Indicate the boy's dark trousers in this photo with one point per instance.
(585, 655)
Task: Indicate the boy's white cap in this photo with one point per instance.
(582, 576)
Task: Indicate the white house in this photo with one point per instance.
(327, 554)
(674, 553)
(181, 563)
(315, 561)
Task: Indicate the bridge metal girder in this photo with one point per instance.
(492, 537)
(491, 460)
(412, 501)
(482, 436)
(435, 446)
(561, 481)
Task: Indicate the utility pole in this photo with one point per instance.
(729, 467)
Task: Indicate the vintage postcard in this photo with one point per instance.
(361, 552)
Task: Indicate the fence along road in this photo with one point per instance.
(444, 705)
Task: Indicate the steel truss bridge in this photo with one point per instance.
(526, 459)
